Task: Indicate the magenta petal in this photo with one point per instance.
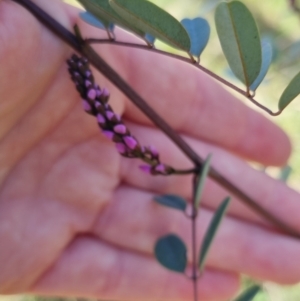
(160, 168)
(110, 115)
(121, 148)
(153, 151)
(100, 118)
(145, 168)
(97, 104)
(86, 106)
(98, 92)
(88, 83)
(108, 134)
(92, 94)
(120, 129)
(130, 142)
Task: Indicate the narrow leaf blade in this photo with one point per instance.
(201, 180)
(170, 251)
(267, 57)
(102, 10)
(199, 31)
(152, 19)
(239, 38)
(211, 232)
(249, 293)
(171, 200)
(290, 92)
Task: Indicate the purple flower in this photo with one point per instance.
(160, 168)
(130, 142)
(86, 106)
(145, 168)
(120, 129)
(108, 134)
(101, 118)
(92, 94)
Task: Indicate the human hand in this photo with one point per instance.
(78, 219)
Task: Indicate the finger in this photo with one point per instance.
(273, 195)
(94, 269)
(134, 220)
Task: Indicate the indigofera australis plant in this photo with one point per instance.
(249, 60)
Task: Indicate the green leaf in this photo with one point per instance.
(249, 293)
(201, 180)
(170, 251)
(152, 19)
(267, 56)
(211, 232)
(285, 173)
(290, 92)
(239, 38)
(102, 10)
(171, 200)
(92, 20)
(199, 31)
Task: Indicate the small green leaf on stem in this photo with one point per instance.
(152, 19)
(92, 20)
(285, 173)
(211, 232)
(171, 200)
(290, 92)
(170, 251)
(239, 38)
(267, 57)
(249, 293)
(102, 10)
(199, 31)
(201, 180)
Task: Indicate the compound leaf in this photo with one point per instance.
(199, 31)
(170, 251)
(239, 38)
(152, 19)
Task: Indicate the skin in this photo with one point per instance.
(78, 219)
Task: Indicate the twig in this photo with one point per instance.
(186, 60)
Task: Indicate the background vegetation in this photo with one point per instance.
(281, 25)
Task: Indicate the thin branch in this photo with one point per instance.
(194, 238)
(85, 50)
(186, 60)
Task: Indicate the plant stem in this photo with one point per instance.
(186, 60)
(85, 50)
(194, 239)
